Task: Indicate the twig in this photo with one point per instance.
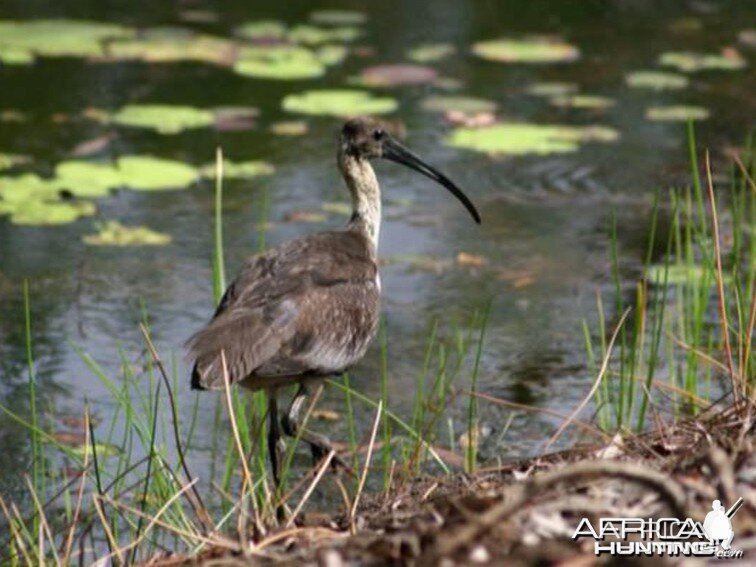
(720, 281)
(596, 384)
(198, 505)
(521, 493)
(363, 476)
(323, 467)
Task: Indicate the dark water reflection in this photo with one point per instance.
(546, 218)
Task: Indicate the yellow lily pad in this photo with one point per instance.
(688, 61)
(87, 179)
(551, 89)
(289, 128)
(169, 45)
(676, 113)
(163, 118)
(656, 80)
(527, 50)
(148, 173)
(584, 101)
(239, 170)
(523, 138)
(338, 102)
(113, 233)
(285, 62)
(41, 213)
(430, 52)
(22, 40)
(466, 104)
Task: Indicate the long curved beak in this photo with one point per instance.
(394, 151)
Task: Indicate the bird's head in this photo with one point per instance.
(365, 138)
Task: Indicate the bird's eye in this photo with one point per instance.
(378, 134)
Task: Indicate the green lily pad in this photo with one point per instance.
(12, 160)
(680, 274)
(278, 62)
(86, 179)
(522, 138)
(103, 450)
(338, 17)
(113, 233)
(239, 170)
(656, 80)
(528, 50)
(22, 40)
(27, 187)
(688, 61)
(582, 101)
(163, 118)
(289, 128)
(551, 89)
(676, 113)
(466, 104)
(263, 30)
(42, 213)
(148, 173)
(330, 54)
(313, 35)
(430, 52)
(397, 75)
(169, 45)
(338, 102)
(16, 56)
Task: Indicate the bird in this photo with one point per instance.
(308, 309)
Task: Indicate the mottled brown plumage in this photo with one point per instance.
(308, 307)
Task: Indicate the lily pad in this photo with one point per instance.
(656, 80)
(289, 128)
(676, 113)
(12, 160)
(522, 138)
(397, 75)
(594, 102)
(331, 54)
(430, 52)
(86, 179)
(263, 30)
(41, 213)
(551, 89)
(748, 37)
(239, 170)
(337, 208)
(527, 50)
(168, 45)
(148, 173)
(466, 104)
(113, 233)
(688, 61)
(22, 40)
(27, 187)
(163, 118)
(314, 35)
(338, 102)
(279, 62)
(680, 274)
(103, 450)
(338, 17)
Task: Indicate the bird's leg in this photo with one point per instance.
(274, 449)
(274, 434)
(291, 421)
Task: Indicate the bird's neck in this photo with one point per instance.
(366, 195)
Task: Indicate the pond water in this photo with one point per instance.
(546, 218)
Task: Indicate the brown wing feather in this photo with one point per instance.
(265, 320)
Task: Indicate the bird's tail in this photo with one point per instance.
(197, 379)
